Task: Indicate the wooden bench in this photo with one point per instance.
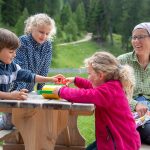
(13, 140)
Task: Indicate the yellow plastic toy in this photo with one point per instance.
(47, 92)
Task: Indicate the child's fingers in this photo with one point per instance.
(59, 76)
(23, 95)
(24, 90)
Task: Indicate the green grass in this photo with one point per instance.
(72, 56)
(116, 48)
(86, 125)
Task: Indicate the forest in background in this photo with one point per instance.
(76, 17)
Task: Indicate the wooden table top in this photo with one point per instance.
(37, 101)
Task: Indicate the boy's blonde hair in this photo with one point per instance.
(40, 19)
(107, 63)
(8, 39)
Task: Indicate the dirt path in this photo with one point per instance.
(86, 38)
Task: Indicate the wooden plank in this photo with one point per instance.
(5, 109)
(81, 113)
(13, 146)
(57, 104)
(82, 109)
(30, 104)
(60, 147)
(57, 147)
(40, 127)
(71, 135)
(8, 103)
(5, 133)
(11, 136)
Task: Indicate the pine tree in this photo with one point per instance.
(53, 7)
(98, 23)
(66, 14)
(1, 2)
(129, 21)
(19, 27)
(80, 17)
(71, 30)
(10, 11)
(144, 12)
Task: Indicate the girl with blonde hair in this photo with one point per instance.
(109, 86)
(35, 52)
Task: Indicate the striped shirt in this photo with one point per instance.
(12, 72)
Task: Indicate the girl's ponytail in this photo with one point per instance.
(126, 76)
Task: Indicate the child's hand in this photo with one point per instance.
(62, 81)
(70, 80)
(24, 90)
(57, 78)
(19, 95)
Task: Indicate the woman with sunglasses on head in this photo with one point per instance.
(139, 59)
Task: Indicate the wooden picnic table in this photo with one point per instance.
(47, 124)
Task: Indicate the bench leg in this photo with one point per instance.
(13, 142)
(9, 146)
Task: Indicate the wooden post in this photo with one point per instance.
(70, 138)
(49, 124)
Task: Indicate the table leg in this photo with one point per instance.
(70, 138)
(40, 127)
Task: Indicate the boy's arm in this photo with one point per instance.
(43, 79)
(18, 86)
(15, 95)
(5, 95)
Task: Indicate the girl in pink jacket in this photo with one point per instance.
(109, 87)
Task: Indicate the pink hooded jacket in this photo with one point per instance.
(115, 126)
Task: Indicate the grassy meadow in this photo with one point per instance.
(72, 56)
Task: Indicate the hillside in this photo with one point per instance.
(72, 55)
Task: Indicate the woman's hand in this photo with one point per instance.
(141, 109)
